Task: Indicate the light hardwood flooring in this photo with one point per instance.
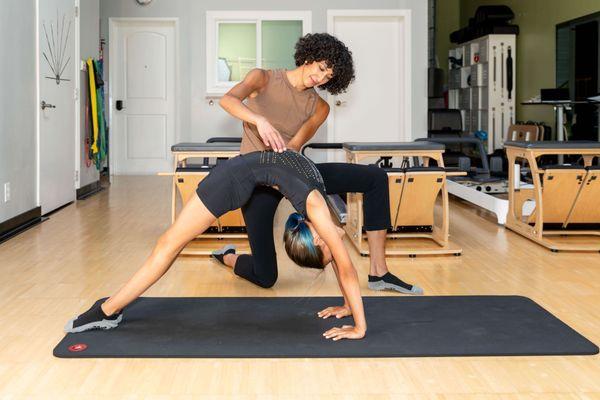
(87, 250)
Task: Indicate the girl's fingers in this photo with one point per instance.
(331, 331)
(339, 335)
(321, 312)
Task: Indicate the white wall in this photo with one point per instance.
(18, 100)
(197, 120)
(89, 42)
(18, 105)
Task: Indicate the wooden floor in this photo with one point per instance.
(87, 250)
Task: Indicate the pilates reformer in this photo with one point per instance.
(480, 186)
(486, 183)
(567, 213)
(186, 176)
(414, 191)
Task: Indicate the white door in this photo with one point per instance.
(376, 107)
(142, 94)
(57, 103)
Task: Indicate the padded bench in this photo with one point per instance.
(392, 146)
(554, 144)
(203, 147)
(220, 151)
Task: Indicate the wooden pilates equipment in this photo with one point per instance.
(229, 228)
(523, 133)
(414, 192)
(564, 195)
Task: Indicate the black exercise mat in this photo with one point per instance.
(260, 327)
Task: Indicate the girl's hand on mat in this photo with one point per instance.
(269, 135)
(338, 312)
(345, 332)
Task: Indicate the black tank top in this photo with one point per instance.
(294, 174)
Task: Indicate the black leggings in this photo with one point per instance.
(261, 267)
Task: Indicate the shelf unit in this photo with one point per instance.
(483, 87)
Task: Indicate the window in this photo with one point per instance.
(238, 41)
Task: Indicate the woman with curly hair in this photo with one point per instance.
(280, 110)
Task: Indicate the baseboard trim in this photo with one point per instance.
(12, 227)
(89, 190)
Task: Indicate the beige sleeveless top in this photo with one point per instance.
(282, 105)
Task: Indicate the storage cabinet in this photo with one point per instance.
(482, 84)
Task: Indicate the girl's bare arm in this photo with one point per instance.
(319, 215)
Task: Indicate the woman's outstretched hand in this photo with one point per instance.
(337, 311)
(269, 135)
(345, 332)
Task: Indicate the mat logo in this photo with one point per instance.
(77, 347)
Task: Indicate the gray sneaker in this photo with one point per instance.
(220, 254)
(392, 282)
(94, 318)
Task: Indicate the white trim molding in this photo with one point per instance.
(214, 88)
(38, 162)
(77, 94)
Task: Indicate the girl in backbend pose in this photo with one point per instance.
(311, 238)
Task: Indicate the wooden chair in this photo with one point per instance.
(523, 133)
(414, 193)
(187, 180)
(422, 186)
(396, 181)
(564, 196)
(560, 186)
(586, 208)
(186, 176)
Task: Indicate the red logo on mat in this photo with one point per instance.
(78, 347)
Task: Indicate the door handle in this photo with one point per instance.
(45, 105)
(340, 102)
(120, 105)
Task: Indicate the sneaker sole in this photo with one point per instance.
(381, 285)
(222, 251)
(105, 324)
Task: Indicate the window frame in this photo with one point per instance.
(215, 18)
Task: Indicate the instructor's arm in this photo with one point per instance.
(308, 129)
(232, 102)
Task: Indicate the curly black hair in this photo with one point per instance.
(324, 47)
